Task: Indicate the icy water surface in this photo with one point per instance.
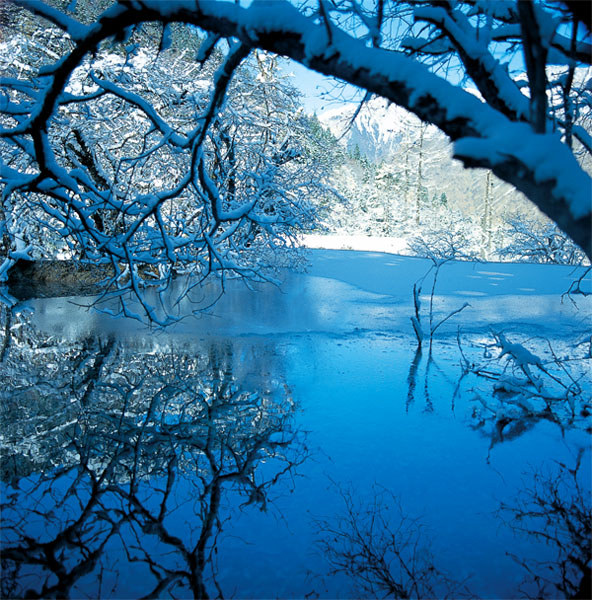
(295, 443)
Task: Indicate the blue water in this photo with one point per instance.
(362, 432)
(288, 415)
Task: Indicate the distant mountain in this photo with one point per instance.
(378, 129)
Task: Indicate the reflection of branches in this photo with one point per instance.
(384, 552)
(555, 508)
(161, 444)
(528, 389)
(412, 377)
(68, 554)
(431, 366)
(94, 372)
(7, 318)
(42, 394)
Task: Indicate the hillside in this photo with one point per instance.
(399, 179)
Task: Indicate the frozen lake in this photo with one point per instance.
(292, 442)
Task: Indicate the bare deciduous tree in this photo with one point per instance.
(530, 241)
(385, 552)
(555, 507)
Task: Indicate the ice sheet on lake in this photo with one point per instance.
(348, 292)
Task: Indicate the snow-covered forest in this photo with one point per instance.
(399, 180)
(251, 349)
(142, 139)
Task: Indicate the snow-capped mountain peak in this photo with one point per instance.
(377, 130)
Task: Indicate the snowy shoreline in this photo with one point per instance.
(364, 243)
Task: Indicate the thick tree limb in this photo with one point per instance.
(562, 191)
(535, 57)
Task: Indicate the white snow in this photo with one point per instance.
(378, 128)
(390, 245)
(518, 352)
(460, 30)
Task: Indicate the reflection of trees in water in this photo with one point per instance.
(384, 551)
(427, 391)
(555, 507)
(46, 385)
(132, 457)
(526, 389)
(412, 377)
(511, 389)
(387, 553)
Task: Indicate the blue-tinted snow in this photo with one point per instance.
(346, 292)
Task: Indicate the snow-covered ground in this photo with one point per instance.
(366, 243)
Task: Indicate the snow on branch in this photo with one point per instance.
(161, 167)
(181, 159)
(492, 80)
(145, 107)
(282, 28)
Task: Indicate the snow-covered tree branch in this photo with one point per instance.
(151, 161)
(528, 124)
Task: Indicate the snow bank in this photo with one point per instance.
(366, 243)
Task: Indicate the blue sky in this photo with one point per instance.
(319, 92)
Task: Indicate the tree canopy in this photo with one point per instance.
(507, 82)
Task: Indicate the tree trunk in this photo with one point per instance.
(419, 177)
